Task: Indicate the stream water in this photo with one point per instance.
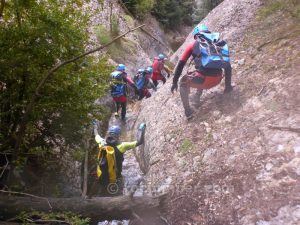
(132, 175)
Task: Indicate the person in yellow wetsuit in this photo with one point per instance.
(111, 150)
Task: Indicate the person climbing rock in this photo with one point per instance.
(111, 153)
(143, 81)
(158, 66)
(119, 82)
(211, 58)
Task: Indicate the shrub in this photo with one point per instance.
(129, 20)
(139, 8)
(173, 13)
(102, 35)
(115, 30)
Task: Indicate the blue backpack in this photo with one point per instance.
(140, 80)
(118, 85)
(214, 52)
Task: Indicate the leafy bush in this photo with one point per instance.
(173, 13)
(203, 8)
(139, 8)
(64, 217)
(115, 30)
(35, 37)
(129, 20)
(103, 34)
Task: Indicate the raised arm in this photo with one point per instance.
(99, 140)
(180, 65)
(124, 146)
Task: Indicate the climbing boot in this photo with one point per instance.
(189, 113)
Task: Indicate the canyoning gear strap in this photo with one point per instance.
(106, 167)
(117, 83)
(140, 80)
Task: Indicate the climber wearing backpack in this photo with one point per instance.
(119, 83)
(143, 81)
(111, 153)
(158, 66)
(211, 57)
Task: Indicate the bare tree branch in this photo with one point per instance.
(86, 164)
(289, 35)
(26, 194)
(48, 221)
(291, 129)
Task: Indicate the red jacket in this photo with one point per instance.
(157, 66)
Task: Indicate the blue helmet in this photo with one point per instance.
(199, 28)
(149, 69)
(161, 56)
(121, 67)
(114, 130)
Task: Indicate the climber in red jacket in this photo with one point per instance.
(158, 66)
(208, 68)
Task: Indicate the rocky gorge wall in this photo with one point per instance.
(237, 161)
(138, 48)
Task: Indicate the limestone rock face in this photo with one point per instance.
(237, 161)
(138, 49)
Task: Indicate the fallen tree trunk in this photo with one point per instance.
(97, 208)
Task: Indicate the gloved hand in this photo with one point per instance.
(174, 87)
(141, 134)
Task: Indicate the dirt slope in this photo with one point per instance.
(238, 160)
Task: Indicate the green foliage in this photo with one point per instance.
(35, 36)
(66, 217)
(186, 146)
(103, 35)
(203, 8)
(78, 154)
(129, 20)
(118, 49)
(115, 30)
(139, 8)
(271, 7)
(173, 13)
